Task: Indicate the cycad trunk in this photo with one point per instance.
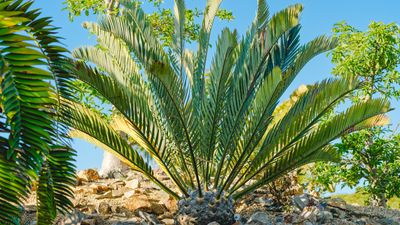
(194, 210)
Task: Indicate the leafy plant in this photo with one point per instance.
(371, 57)
(160, 18)
(213, 131)
(33, 144)
(376, 165)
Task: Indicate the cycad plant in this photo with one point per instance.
(33, 145)
(218, 133)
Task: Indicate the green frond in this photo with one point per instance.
(217, 86)
(248, 80)
(210, 12)
(34, 72)
(45, 197)
(179, 16)
(99, 131)
(303, 151)
(221, 126)
(307, 52)
(113, 46)
(61, 165)
(262, 14)
(313, 103)
(257, 120)
(15, 181)
(168, 90)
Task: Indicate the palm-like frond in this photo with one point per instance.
(31, 58)
(218, 128)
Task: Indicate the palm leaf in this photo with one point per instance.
(31, 59)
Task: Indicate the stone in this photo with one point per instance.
(142, 203)
(388, 221)
(117, 193)
(213, 223)
(98, 189)
(73, 218)
(310, 213)
(129, 194)
(133, 184)
(171, 204)
(108, 194)
(325, 217)
(103, 208)
(265, 201)
(148, 217)
(338, 213)
(337, 202)
(88, 222)
(279, 219)
(361, 222)
(301, 201)
(89, 209)
(88, 175)
(259, 218)
(168, 221)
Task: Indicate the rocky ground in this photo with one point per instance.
(129, 199)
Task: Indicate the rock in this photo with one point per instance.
(142, 203)
(388, 221)
(213, 223)
(74, 218)
(279, 219)
(117, 193)
(171, 204)
(133, 184)
(301, 201)
(310, 213)
(265, 201)
(148, 217)
(158, 208)
(117, 184)
(88, 222)
(325, 217)
(88, 175)
(98, 189)
(89, 209)
(337, 202)
(338, 213)
(168, 221)
(103, 208)
(108, 194)
(259, 218)
(361, 222)
(129, 194)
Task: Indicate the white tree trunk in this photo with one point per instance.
(112, 166)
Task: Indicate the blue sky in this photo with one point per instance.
(318, 18)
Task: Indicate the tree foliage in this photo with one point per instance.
(376, 164)
(373, 58)
(160, 17)
(217, 128)
(33, 143)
